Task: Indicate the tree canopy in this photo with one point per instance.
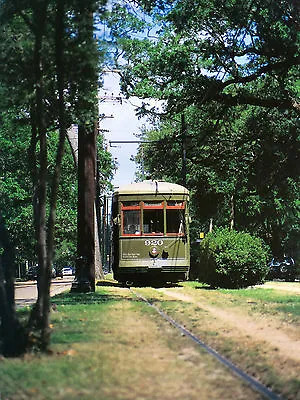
(227, 73)
(229, 52)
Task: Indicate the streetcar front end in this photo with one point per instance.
(151, 233)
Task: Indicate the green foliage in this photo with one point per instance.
(233, 69)
(80, 60)
(197, 52)
(20, 26)
(16, 190)
(231, 259)
(15, 184)
(245, 153)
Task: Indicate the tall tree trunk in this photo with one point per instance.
(210, 229)
(72, 135)
(59, 40)
(39, 319)
(183, 145)
(12, 334)
(87, 105)
(85, 268)
(276, 239)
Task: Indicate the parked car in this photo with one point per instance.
(59, 273)
(31, 274)
(282, 269)
(67, 271)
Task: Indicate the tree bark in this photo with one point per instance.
(72, 135)
(87, 131)
(85, 268)
(39, 318)
(12, 334)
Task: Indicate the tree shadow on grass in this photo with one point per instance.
(74, 323)
(73, 312)
(205, 287)
(154, 285)
(75, 299)
(141, 283)
(109, 283)
(98, 297)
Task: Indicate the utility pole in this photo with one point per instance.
(183, 144)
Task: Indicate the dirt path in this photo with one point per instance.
(287, 344)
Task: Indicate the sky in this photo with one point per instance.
(122, 123)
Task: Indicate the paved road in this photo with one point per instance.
(26, 292)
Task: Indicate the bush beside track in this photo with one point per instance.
(230, 259)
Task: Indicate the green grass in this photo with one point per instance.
(282, 302)
(92, 336)
(108, 345)
(262, 300)
(78, 323)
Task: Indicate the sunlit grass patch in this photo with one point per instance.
(113, 346)
(268, 300)
(83, 335)
(195, 285)
(80, 317)
(255, 299)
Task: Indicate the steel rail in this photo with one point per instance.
(252, 382)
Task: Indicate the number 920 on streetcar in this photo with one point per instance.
(150, 232)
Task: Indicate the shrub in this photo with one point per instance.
(231, 259)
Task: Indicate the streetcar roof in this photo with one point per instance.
(152, 187)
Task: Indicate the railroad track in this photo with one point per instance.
(249, 380)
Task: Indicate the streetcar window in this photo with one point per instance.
(153, 221)
(130, 204)
(175, 221)
(156, 204)
(131, 222)
(175, 203)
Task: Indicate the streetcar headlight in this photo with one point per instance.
(153, 252)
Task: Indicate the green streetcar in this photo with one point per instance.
(150, 233)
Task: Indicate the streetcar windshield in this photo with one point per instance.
(131, 222)
(153, 221)
(153, 218)
(175, 222)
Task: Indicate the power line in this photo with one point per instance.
(111, 142)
